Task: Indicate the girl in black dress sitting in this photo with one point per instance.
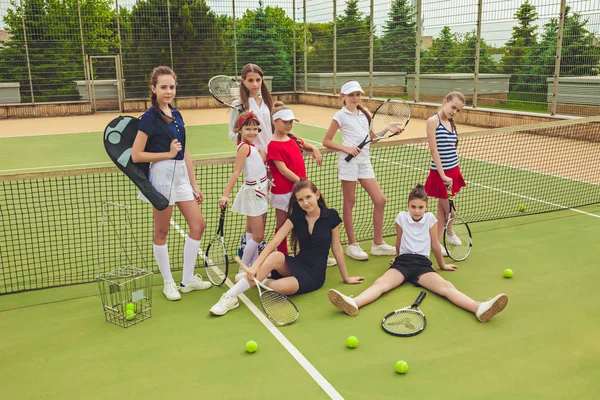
(315, 229)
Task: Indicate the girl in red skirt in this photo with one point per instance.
(444, 170)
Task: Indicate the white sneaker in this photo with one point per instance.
(240, 275)
(331, 261)
(170, 291)
(488, 309)
(343, 302)
(454, 239)
(382, 249)
(354, 251)
(196, 284)
(224, 305)
(444, 251)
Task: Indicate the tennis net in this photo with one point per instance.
(52, 231)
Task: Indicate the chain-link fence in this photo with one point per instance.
(532, 55)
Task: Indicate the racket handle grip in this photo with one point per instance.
(241, 263)
(350, 156)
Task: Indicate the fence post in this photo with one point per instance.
(27, 51)
(371, 30)
(170, 36)
(477, 53)
(235, 59)
(305, 50)
(293, 39)
(87, 72)
(561, 26)
(334, 46)
(417, 52)
(122, 82)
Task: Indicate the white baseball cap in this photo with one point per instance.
(285, 115)
(351, 87)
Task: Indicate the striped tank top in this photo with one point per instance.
(446, 145)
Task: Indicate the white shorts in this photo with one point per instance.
(247, 202)
(170, 178)
(353, 171)
(280, 201)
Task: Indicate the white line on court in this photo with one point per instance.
(294, 352)
(498, 190)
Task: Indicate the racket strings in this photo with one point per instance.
(217, 262)
(459, 245)
(225, 89)
(278, 308)
(405, 322)
(391, 112)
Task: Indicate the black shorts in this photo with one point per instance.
(412, 266)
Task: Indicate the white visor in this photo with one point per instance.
(351, 87)
(285, 115)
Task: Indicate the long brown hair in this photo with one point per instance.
(361, 108)
(157, 73)
(278, 106)
(294, 207)
(264, 89)
(449, 97)
(252, 121)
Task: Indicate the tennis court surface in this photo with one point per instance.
(543, 346)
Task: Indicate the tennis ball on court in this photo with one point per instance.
(508, 273)
(251, 346)
(352, 342)
(130, 306)
(522, 208)
(401, 367)
(129, 315)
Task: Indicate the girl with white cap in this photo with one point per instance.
(353, 122)
(285, 160)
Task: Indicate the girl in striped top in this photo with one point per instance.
(444, 170)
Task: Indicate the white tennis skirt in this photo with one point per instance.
(170, 178)
(252, 200)
(280, 201)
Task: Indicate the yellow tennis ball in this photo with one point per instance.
(352, 342)
(130, 306)
(129, 315)
(401, 367)
(251, 346)
(522, 208)
(508, 273)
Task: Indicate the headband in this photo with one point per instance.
(246, 117)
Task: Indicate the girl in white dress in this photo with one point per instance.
(252, 198)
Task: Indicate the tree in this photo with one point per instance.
(398, 41)
(54, 44)
(258, 43)
(353, 39)
(320, 48)
(464, 58)
(524, 37)
(441, 53)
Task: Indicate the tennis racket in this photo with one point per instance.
(226, 90)
(216, 261)
(388, 119)
(276, 306)
(407, 321)
(459, 244)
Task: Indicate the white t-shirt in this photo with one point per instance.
(264, 117)
(415, 235)
(354, 129)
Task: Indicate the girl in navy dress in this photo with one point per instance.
(315, 229)
(172, 174)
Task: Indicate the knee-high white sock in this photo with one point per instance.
(250, 251)
(190, 254)
(238, 288)
(161, 254)
(248, 236)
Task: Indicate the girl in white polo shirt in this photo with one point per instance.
(416, 236)
(353, 122)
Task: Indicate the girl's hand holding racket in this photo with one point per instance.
(352, 280)
(352, 151)
(223, 201)
(448, 181)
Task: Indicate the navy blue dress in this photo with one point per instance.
(310, 264)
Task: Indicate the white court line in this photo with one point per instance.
(294, 352)
(55, 167)
(499, 190)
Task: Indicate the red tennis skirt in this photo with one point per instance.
(435, 186)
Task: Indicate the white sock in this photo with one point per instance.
(190, 254)
(248, 237)
(250, 252)
(238, 288)
(161, 254)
